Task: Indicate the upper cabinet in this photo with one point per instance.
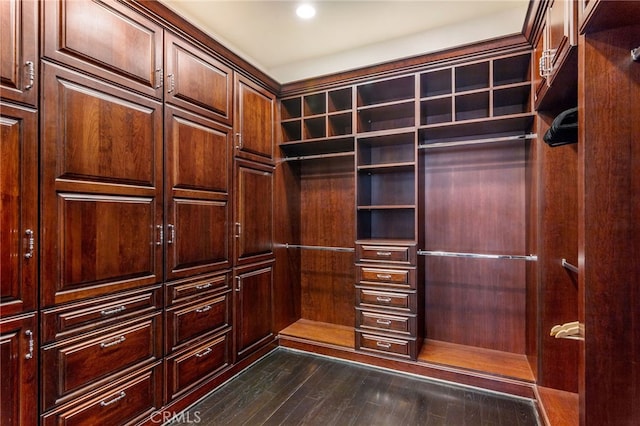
(19, 51)
(195, 80)
(254, 121)
(105, 38)
(556, 54)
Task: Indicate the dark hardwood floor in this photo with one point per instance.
(294, 388)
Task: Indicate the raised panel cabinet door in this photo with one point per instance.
(19, 361)
(19, 51)
(106, 38)
(254, 121)
(195, 80)
(253, 288)
(254, 212)
(18, 209)
(101, 172)
(198, 179)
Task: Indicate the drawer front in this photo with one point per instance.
(92, 360)
(388, 254)
(70, 320)
(185, 290)
(126, 401)
(386, 299)
(383, 322)
(186, 322)
(396, 347)
(401, 278)
(191, 367)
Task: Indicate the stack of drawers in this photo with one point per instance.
(387, 300)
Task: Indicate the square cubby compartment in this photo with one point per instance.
(435, 83)
(434, 111)
(514, 69)
(315, 104)
(472, 106)
(292, 130)
(340, 124)
(339, 100)
(472, 77)
(291, 108)
(512, 100)
(314, 128)
(386, 150)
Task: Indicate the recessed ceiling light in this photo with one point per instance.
(306, 11)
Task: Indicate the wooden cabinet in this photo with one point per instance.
(253, 212)
(196, 80)
(556, 53)
(101, 188)
(253, 307)
(108, 39)
(198, 185)
(19, 209)
(19, 51)
(254, 120)
(19, 360)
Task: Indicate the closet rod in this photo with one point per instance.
(476, 255)
(569, 266)
(325, 248)
(318, 156)
(478, 141)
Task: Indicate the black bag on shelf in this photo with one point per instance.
(564, 129)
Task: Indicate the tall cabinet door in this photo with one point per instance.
(254, 121)
(254, 212)
(101, 226)
(18, 209)
(253, 321)
(19, 360)
(19, 50)
(198, 179)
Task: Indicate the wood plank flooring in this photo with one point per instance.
(294, 388)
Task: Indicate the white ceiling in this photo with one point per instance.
(346, 34)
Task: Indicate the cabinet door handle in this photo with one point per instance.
(239, 139)
(30, 243)
(117, 341)
(203, 309)
(383, 299)
(383, 345)
(238, 283)
(113, 311)
(203, 286)
(29, 335)
(160, 235)
(238, 229)
(383, 276)
(159, 78)
(31, 74)
(383, 253)
(172, 82)
(172, 234)
(204, 353)
(117, 398)
(383, 322)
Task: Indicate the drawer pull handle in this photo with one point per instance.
(383, 345)
(383, 299)
(383, 253)
(30, 243)
(117, 398)
(203, 286)
(113, 342)
(31, 74)
(113, 311)
(383, 276)
(383, 322)
(204, 309)
(204, 353)
(29, 335)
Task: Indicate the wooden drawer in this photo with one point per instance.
(401, 278)
(386, 299)
(124, 402)
(386, 345)
(383, 322)
(71, 320)
(188, 321)
(74, 366)
(197, 363)
(386, 254)
(186, 290)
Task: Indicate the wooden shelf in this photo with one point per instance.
(321, 332)
(558, 407)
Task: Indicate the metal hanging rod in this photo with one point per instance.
(569, 266)
(324, 248)
(318, 156)
(531, 258)
(635, 54)
(478, 141)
